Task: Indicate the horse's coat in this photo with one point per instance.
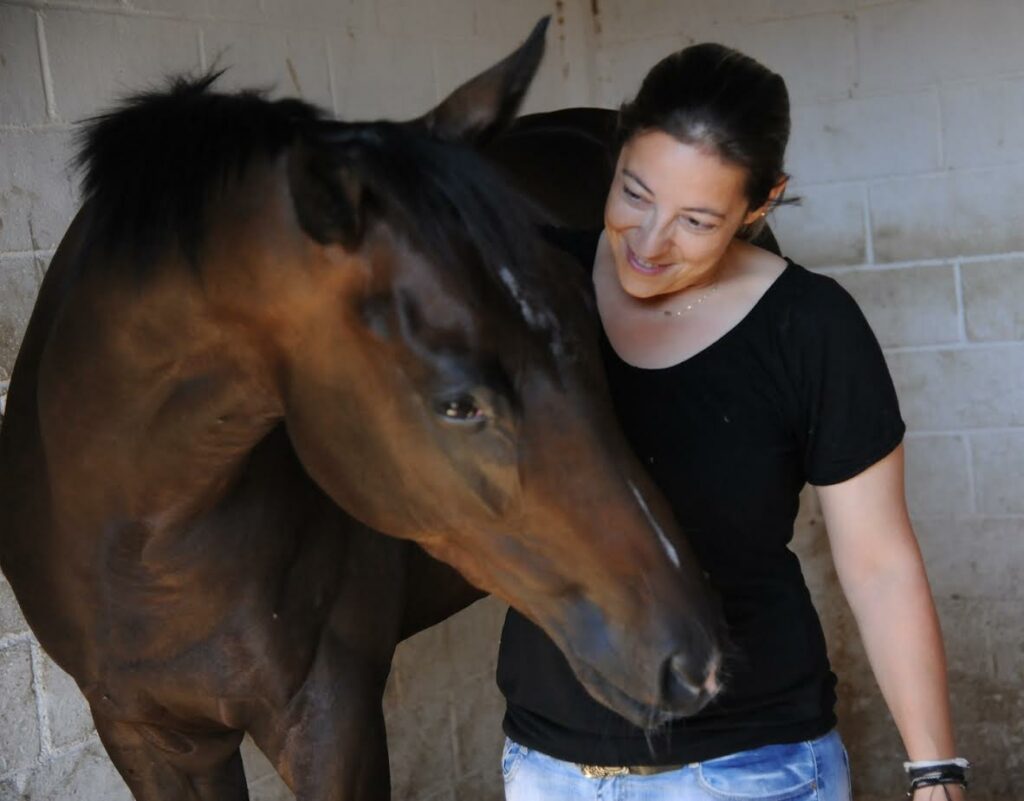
(266, 337)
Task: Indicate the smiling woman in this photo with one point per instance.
(738, 377)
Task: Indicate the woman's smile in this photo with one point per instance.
(642, 265)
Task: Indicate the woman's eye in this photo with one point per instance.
(698, 225)
(631, 194)
(463, 409)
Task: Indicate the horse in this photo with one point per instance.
(295, 388)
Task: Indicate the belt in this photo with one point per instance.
(605, 772)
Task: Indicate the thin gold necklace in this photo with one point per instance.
(693, 303)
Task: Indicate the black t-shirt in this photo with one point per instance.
(796, 392)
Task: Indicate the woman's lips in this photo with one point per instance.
(642, 265)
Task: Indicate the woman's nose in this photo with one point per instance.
(652, 238)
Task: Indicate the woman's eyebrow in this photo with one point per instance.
(699, 209)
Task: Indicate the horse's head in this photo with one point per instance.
(433, 360)
(443, 384)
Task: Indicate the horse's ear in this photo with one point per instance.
(484, 105)
(328, 198)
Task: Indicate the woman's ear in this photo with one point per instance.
(774, 196)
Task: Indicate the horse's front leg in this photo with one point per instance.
(160, 764)
(329, 742)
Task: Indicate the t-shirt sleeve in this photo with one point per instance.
(849, 412)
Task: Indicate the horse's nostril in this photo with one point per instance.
(680, 683)
(687, 686)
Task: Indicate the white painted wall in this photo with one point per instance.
(908, 150)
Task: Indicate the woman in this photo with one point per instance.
(738, 377)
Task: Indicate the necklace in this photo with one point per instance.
(689, 306)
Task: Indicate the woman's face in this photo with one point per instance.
(671, 213)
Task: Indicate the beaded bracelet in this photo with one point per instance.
(934, 773)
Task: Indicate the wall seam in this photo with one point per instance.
(44, 64)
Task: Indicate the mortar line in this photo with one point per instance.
(963, 432)
(954, 346)
(972, 486)
(869, 239)
(961, 311)
(39, 689)
(11, 640)
(44, 65)
(1012, 255)
(201, 44)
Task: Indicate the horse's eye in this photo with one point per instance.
(461, 409)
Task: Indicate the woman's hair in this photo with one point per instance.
(719, 100)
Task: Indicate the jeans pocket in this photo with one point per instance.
(784, 772)
(512, 754)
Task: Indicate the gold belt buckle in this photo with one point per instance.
(602, 771)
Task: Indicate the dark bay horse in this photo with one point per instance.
(268, 336)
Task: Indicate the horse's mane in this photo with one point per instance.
(153, 164)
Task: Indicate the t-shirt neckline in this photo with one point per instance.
(726, 335)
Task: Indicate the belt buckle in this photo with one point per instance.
(603, 771)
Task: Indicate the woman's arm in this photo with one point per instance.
(882, 574)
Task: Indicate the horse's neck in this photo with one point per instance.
(146, 399)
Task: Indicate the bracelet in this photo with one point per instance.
(937, 772)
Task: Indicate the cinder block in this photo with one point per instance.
(992, 299)
(331, 17)
(195, 9)
(869, 137)
(290, 63)
(999, 472)
(914, 44)
(37, 194)
(420, 746)
(421, 669)
(827, 41)
(478, 708)
(620, 67)
(952, 214)
(977, 558)
(96, 59)
(499, 19)
(946, 390)
(825, 229)
(85, 774)
(11, 619)
(19, 724)
(19, 285)
(440, 19)
(473, 637)
(983, 122)
(984, 642)
(67, 711)
(484, 786)
(937, 482)
(23, 101)
(908, 306)
(382, 78)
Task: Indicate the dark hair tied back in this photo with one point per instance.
(716, 98)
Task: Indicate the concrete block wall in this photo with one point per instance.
(908, 152)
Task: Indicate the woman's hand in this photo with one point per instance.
(946, 792)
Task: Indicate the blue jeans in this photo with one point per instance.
(816, 770)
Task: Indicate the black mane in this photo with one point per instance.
(152, 164)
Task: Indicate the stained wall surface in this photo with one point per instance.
(908, 152)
